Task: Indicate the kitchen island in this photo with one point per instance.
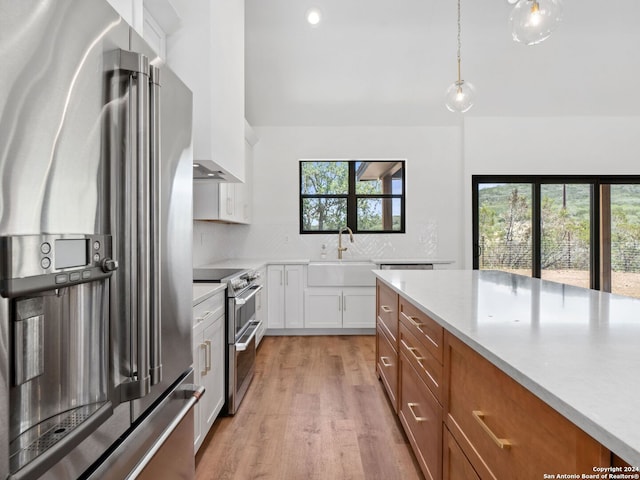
(576, 350)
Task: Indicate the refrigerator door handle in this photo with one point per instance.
(141, 223)
(155, 333)
(137, 239)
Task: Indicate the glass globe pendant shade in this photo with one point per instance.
(460, 96)
(533, 21)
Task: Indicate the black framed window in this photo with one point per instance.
(367, 196)
(579, 230)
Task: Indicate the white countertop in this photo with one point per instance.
(202, 291)
(256, 263)
(576, 349)
(409, 261)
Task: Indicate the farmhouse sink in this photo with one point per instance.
(338, 273)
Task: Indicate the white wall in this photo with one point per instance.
(546, 146)
(434, 195)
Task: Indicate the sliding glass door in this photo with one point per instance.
(622, 274)
(565, 230)
(505, 221)
(578, 230)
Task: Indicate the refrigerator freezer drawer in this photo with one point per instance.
(167, 422)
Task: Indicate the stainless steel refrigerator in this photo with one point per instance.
(95, 247)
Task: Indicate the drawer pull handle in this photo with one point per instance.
(413, 351)
(416, 418)
(500, 442)
(208, 342)
(386, 309)
(385, 362)
(414, 321)
(204, 347)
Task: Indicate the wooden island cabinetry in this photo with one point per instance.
(387, 340)
(464, 417)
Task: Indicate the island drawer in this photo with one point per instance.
(423, 327)
(425, 364)
(387, 365)
(455, 466)
(421, 416)
(387, 310)
(505, 430)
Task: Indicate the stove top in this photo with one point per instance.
(215, 274)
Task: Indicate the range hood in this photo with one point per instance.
(207, 170)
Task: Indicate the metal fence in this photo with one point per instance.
(625, 256)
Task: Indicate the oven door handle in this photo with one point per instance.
(244, 299)
(241, 347)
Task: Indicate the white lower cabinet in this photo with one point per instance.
(208, 362)
(352, 307)
(284, 296)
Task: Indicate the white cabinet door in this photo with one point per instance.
(322, 308)
(214, 396)
(199, 352)
(285, 296)
(227, 201)
(359, 307)
(293, 297)
(275, 296)
(208, 362)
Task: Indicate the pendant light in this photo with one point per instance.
(533, 21)
(460, 95)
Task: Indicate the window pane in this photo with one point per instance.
(325, 178)
(374, 178)
(566, 233)
(625, 240)
(376, 214)
(324, 213)
(504, 218)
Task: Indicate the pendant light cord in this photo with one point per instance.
(459, 42)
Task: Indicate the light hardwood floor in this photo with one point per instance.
(314, 411)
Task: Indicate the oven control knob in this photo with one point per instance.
(109, 265)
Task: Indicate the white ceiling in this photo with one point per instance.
(386, 62)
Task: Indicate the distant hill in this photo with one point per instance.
(578, 198)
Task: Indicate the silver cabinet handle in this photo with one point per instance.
(204, 371)
(385, 309)
(415, 417)
(208, 363)
(344, 303)
(385, 362)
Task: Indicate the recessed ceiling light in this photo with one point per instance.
(314, 16)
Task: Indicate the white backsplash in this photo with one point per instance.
(214, 242)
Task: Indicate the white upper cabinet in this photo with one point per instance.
(208, 54)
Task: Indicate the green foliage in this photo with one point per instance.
(330, 213)
(505, 226)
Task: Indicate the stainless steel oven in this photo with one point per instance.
(242, 339)
(241, 328)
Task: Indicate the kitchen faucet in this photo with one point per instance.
(340, 247)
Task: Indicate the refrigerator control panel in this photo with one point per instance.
(34, 263)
